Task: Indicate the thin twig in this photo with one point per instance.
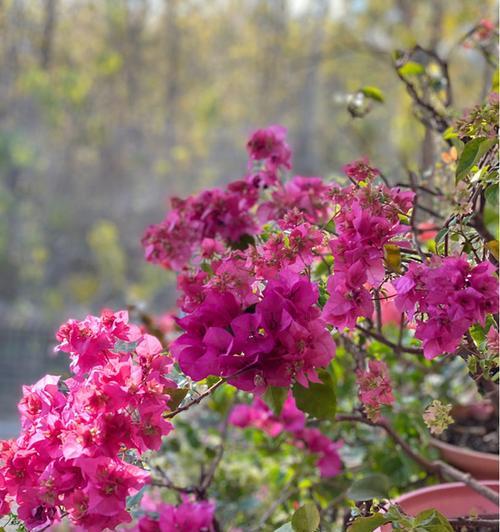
(384, 340)
(474, 523)
(196, 400)
(206, 393)
(287, 492)
(208, 477)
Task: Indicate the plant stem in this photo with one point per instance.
(196, 400)
(384, 340)
(437, 467)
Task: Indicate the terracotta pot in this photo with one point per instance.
(452, 500)
(483, 466)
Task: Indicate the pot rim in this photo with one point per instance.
(444, 485)
(465, 451)
(426, 490)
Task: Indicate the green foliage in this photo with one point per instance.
(306, 518)
(275, 397)
(367, 524)
(375, 486)
(287, 527)
(471, 153)
(177, 395)
(319, 399)
(432, 521)
(426, 521)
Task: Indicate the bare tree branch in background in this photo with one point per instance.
(48, 33)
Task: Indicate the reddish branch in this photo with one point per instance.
(196, 400)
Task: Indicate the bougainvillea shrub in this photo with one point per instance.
(311, 315)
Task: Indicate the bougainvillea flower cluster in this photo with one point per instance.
(368, 219)
(200, 223)
(242, 320)
(268, 146)
(270, 270)
(446, 297)
(188, 516)
(82, 437)
(292, 422)
(281, 338)
(212, 214)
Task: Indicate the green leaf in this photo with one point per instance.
(491, 195)
(367, 524)
(494, 81)
(432, 521)
(321, 269)
(275, 397)
(176, 396)
(450, 133)
(392, 256)
(319, 400)
(244, 241)
(478, 334)
(441, 234)
(373, 92)
(287, 527)
(470, 154)
(493, 248)
(374, 486)
(411, 68)
(306, 518)
(134, 500)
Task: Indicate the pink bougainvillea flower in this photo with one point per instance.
(375, 387)
(269, 145)
(188, 516)
(447, 296)
(361, 170)
(314, 441)
(200, 224)
(280, 338)
(309, 195)
(290, 421)
(346, 304)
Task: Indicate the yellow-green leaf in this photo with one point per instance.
(373, 92)
(492, 246)
(411, 68)
(392, 255)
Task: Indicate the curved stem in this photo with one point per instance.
(437, 467)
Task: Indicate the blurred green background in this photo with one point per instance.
(108, 107)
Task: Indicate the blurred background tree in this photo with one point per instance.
(107, 107)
